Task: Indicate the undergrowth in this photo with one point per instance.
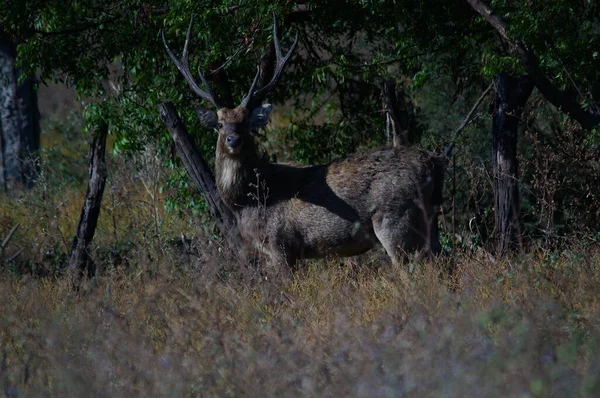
(330, 329)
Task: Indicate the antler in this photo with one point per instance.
(184, 68)
(255, 98)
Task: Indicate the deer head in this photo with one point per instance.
(233, 125)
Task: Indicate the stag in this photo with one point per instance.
(344, 208)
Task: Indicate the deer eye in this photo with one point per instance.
(220, 125)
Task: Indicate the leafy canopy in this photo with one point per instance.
(441, 54)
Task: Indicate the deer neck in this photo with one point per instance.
(234, 177)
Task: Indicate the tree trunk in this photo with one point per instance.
(19, 122)
(511, 96)
(200, 173)
(80, 259)
(397, 116)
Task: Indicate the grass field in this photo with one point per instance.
(161, 319)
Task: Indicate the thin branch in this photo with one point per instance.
(228, 61)
(14, 256)
(233, 9)
(399, 119)
(409, 57)
(467, 120)
(579, 91)
(9, 236)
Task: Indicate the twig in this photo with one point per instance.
(589, 96)
(9, 237)
(467, 120)
(227, 61)
(234, 8)
(14, 256)
(6, 240)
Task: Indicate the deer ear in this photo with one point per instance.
(207, 117)
(260, 116)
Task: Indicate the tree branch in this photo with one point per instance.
(200, 173)
(563, 100)
(467, 120)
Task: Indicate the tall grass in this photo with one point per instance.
(329, 329)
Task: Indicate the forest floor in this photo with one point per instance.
(166, 316)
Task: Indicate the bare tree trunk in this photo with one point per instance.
(19, 122)
(397, 113)
(30, 130)
(200, 173)
(3, 152)
(80, 259)
(511, 96)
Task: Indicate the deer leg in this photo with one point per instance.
(429, 232)
(394, 234)
(434, 235)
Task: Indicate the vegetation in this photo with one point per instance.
(439, 57)
(165, 320)
(532, 331)
(172, 312)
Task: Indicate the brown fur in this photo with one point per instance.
(344, 208)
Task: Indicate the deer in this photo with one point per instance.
(386, 196)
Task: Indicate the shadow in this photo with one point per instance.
(308, 184)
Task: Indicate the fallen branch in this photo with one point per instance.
(7, 240)
(14, 256)
(9, 236)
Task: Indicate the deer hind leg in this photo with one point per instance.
(429, 231)
(397, 234)
(394, 232)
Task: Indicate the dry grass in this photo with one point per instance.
(329, 329)
(158, 321)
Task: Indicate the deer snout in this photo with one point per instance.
(233, 142)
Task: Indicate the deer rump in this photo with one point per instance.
(343, 208)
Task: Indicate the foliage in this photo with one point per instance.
(440, 54)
